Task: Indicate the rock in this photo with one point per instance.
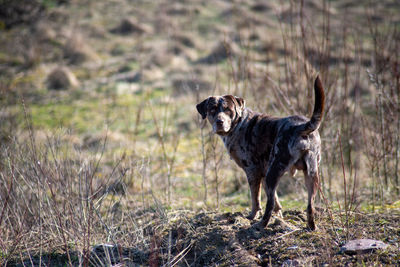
(362, 246)
(130, 26)
(61, 78)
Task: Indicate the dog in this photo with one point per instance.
(265, 147)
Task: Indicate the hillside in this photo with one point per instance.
(102, 146)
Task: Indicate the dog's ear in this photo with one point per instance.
(241, 105)
(202, 108)
(240, 101)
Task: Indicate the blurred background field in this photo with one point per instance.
(101, 141)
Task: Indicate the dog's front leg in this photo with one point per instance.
(255, 186)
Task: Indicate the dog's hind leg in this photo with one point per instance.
(277, 204)
(312, 182)
(275, 171)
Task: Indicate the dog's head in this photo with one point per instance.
(222, 112)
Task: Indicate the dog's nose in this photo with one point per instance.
(219, 122)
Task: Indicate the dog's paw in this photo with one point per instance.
(261, 225)
(311, 226)
(293, 171)
(252, 215)
(279, 214)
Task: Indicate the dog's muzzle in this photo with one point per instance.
(221, 126)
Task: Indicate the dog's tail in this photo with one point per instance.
(315, 121)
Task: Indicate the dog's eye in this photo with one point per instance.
(228, 111)
(212, 111)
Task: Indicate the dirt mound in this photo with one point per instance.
(208, 239)
(130, 26)
(260, 7)
(229, 239)
(184, 39)
(221, 51)
(61, 78)
(77, 50)
(216, 239)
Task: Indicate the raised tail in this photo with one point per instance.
(315, 121)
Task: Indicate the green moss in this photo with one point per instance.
(366, 207)
(289, 204)
(87, 114)
(49, 3)
(241, 200)
(81, 116)
(7, 59)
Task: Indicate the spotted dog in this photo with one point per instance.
(265, 147)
